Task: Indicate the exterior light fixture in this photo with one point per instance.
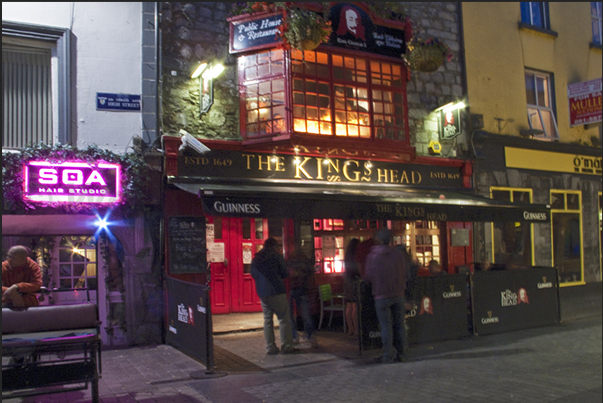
(207, 72)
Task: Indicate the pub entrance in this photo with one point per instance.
(232, 244)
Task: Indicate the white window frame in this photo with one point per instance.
(59, 42)
(535, 108)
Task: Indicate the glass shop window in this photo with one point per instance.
(566, 212)
(332, 236)
(512, 241)
(331, 95)
(77, 262)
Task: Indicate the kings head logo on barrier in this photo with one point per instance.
(426, 306)
(76, 182)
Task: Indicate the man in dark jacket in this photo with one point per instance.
(385, 271)
(268, 269)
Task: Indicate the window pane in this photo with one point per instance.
(530, 89)
(558, 201)
(534, 119)
(573, 201)
(542, 87)
(503, 195)
(548, 120)
(537, 17)
(566, 246)
(525, 13)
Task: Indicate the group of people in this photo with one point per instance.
(269, 270)
(384, 268)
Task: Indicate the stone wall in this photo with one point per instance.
(428, 91)
(195, 32)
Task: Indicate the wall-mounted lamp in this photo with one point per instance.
(207, 71)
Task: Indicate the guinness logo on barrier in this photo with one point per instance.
(545, 284)
(452, 293)
(489, 314)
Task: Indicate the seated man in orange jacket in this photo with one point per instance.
(21, 278)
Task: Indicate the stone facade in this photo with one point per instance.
(195, 32)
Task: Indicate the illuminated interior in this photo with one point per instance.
(332, 95)
(331, 237)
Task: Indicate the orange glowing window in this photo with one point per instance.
(327, 95)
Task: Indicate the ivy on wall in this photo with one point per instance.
(134, 179)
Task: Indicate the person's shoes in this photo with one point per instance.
(296, 339)
(291, 350)
(273, 351)
(401, 358)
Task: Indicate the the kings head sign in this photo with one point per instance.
(76, 182)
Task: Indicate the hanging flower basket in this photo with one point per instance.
(305, 30)
(427, 56)
(426, 59)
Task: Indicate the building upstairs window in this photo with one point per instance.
(323, 93)
(535, 14)
(595, 11)
(36, 71)
(540, 105)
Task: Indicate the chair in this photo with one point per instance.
(327, 303)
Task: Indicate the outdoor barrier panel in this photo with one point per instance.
(514, 299)
(439, 309)
(189, 320)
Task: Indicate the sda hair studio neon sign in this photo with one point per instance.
(76, 182)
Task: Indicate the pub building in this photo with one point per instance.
(325, 157)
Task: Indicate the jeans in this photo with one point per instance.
(300, 298)
(390, 312)
(277, 304)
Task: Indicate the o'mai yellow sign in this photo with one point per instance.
(550, 161)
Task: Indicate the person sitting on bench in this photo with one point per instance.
(21, 278)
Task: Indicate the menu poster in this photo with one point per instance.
(187, 245)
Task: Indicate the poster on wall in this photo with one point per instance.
(584, 102)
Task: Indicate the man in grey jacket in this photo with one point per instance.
(385, 271)
(268, 269)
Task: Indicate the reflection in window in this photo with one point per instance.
(512, 241)
(567, 235)
(536, 14)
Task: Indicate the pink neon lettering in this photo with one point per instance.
(49, 176)
(95, 177)
(73, 177)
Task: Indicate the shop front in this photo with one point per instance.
(69, 213)
(318, 204)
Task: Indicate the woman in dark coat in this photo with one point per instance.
(351, 281)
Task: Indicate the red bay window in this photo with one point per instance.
(326, 94)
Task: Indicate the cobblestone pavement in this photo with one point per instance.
(556, 364)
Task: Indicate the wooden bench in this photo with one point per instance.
(50, 349)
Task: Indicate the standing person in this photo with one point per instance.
(268, 270)
(351, 281)
(385, 271)
(21, 277)
(300, 275)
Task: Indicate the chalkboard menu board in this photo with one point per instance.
(188, 252)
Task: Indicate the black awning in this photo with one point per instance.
(308, 202)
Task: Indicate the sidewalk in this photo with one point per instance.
(550, 364)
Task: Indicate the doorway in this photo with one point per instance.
(232, 244)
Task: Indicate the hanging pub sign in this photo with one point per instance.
(257, 33)
(76, 182)
(354, 29)
(450, 124)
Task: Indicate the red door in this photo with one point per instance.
(252, 233)
(220, 292)
(235, 243)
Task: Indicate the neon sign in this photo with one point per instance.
(75, 182)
